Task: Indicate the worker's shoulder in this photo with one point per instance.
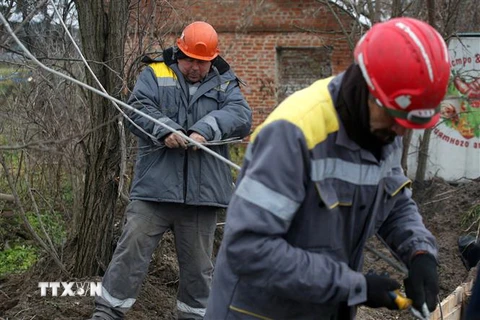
(160, 68)
(299, 108)
(148, 59)
(311, 110)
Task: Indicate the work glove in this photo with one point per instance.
(378, 291)
(421, 286)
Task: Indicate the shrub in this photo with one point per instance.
(17, 259)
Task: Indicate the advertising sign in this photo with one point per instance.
(454, 150)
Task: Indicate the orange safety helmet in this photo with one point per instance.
(199, 40)
(406, 66)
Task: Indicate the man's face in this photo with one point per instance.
(194, 70)
(382, 125)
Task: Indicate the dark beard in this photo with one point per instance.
(384, 136)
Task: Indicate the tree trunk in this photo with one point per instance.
(425, 143)
(396, 8)
(407, 139)
(423, 157)
(103, 33)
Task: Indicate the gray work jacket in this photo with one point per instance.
(307, 200)
(217, 110)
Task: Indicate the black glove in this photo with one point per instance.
(378, 291)
(422, 283)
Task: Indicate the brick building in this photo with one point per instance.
(275, 46)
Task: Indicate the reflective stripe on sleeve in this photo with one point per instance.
(167, 82)
(248, 153)
(266, 198)
(212, 122)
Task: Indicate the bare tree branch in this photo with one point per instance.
(25, 21)
(23, 216)
(7, 197)
(351, 43)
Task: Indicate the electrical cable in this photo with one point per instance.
(107, 96)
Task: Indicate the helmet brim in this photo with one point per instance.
(412, 125)
(203, 58)
(195, 56)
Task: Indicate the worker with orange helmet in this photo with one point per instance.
(322, 175)
(177, 186)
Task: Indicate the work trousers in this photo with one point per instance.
(473, 307)
(193, 228)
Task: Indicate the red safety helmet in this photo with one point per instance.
(406, 66)
(199, 40)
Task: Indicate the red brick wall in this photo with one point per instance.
(253, 58)
(251, 30)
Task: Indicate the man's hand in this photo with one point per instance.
(198, 138)
(378, 291)
(422, 283)
(174, 140)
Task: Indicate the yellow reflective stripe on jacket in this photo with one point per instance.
(163, 73)
(311, 110)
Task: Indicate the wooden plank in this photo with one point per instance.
(455, 314)
(451, 306)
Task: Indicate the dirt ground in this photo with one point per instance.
(443, 207)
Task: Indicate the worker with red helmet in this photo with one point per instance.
(322, 175)
(177, 186)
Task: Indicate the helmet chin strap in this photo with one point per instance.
(418, 116)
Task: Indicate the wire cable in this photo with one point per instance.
(93, 73)
(107, 96)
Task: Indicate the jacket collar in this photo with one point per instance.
(342, 138)
(169, 58)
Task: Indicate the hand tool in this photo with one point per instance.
(404, 303)
(401, 301)
(421, 315)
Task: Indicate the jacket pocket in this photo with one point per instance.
(395, 184)
(331, 209)
(392, 186)
(215, 95)
(171, 111)
(148, 159)
(334, 193)
(215, 179)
